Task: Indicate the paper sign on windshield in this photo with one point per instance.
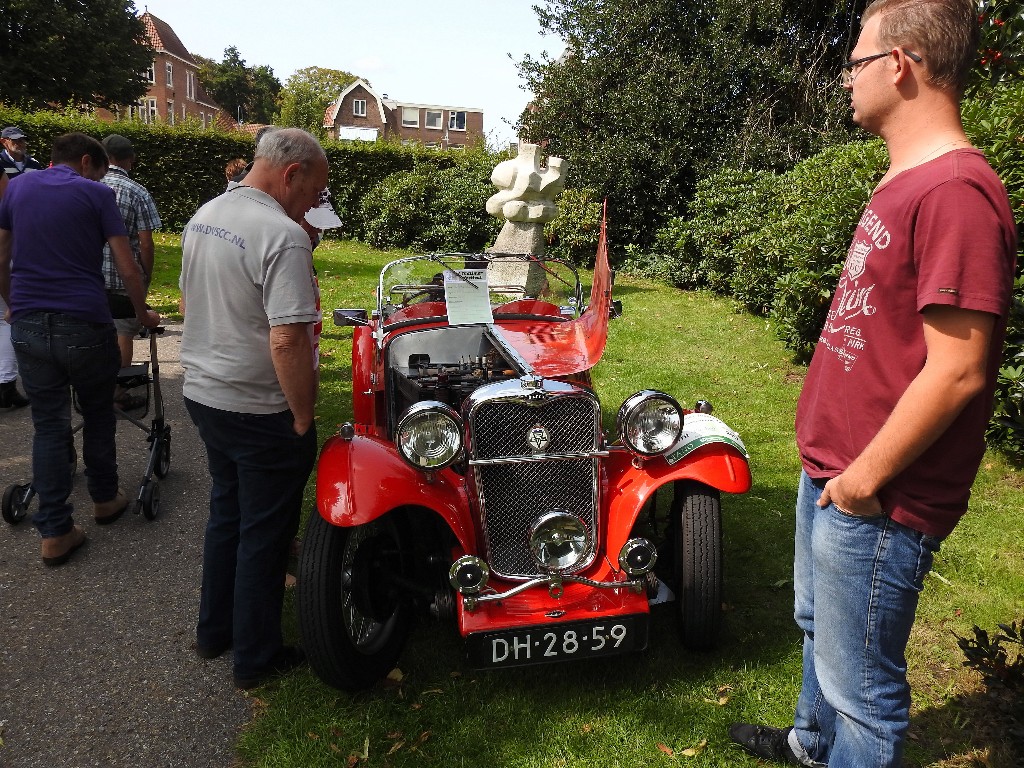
(465, 292)
(701, 429)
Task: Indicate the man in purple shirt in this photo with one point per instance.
(53, 225)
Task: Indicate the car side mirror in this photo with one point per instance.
(350, 317)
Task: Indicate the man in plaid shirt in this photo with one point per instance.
(140, 219)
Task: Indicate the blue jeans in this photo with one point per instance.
(259, 468)
(857, 582)
(56, 352)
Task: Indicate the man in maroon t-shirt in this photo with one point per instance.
(891, 421)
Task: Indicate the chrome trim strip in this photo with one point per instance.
(491, 597)
(538, 457)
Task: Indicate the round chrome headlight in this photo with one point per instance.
(429, 435)
(558, 541)
(650, 422)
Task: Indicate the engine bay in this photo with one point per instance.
(445, 364)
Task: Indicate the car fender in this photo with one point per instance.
(719, 465)
(359, 480)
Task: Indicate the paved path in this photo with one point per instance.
(96, 660)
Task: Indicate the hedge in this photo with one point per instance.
(183, 166)
(777, 242)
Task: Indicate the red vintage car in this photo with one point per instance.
(476, 483)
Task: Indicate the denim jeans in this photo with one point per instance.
(857, 582)
(259, 468)
(56, 352)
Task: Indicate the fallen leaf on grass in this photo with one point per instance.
(587, 728)
(695, 750)
(313, 735)
(335, 749)
(433, 690)
(667, 750)
(395, 735)
(415, 705)
(353, 761)
(395, 747)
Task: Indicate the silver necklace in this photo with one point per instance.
(938, 149)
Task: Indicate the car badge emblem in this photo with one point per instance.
(538, 438)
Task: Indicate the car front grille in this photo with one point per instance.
(512, 495)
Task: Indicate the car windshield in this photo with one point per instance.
(515, 283)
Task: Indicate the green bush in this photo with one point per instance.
(777, 243)
(432, 208)
(574, 233)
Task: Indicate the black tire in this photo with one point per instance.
(13, 507)
(354, 625)
(697, 510)
(150, 500)
(163, 461)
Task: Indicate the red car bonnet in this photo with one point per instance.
(562, 349)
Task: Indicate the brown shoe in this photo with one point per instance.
(107, 512)
(57, 550)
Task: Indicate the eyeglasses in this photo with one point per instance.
(851, 69)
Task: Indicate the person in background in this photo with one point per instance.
(10, 397)
(138, 210)
(15, 159)
(250, 388)
(234, 167)
(891, 421)
(53, 225)
(240, 175)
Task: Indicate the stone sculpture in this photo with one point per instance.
(526, 199)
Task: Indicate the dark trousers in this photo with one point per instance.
(56, 352)
(259, 468)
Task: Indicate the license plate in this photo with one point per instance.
(557, 642)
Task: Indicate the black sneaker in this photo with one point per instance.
(764, 741)
(286, 659)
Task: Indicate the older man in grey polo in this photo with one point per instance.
(250, 387)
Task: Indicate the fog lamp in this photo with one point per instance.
(429, 435)
(649, 422)
(558, 541)
(638, 557)
(469, 574)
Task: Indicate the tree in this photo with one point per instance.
(72, 52)
(307, 94)
(248, 93)
(650, 96)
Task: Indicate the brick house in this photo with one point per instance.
(174, 92)
(361, 114)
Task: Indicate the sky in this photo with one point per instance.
(442, 52)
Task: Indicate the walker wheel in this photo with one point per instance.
(150, 500)
(163, 462)
(14, 507)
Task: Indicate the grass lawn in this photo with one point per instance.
(664, 707)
